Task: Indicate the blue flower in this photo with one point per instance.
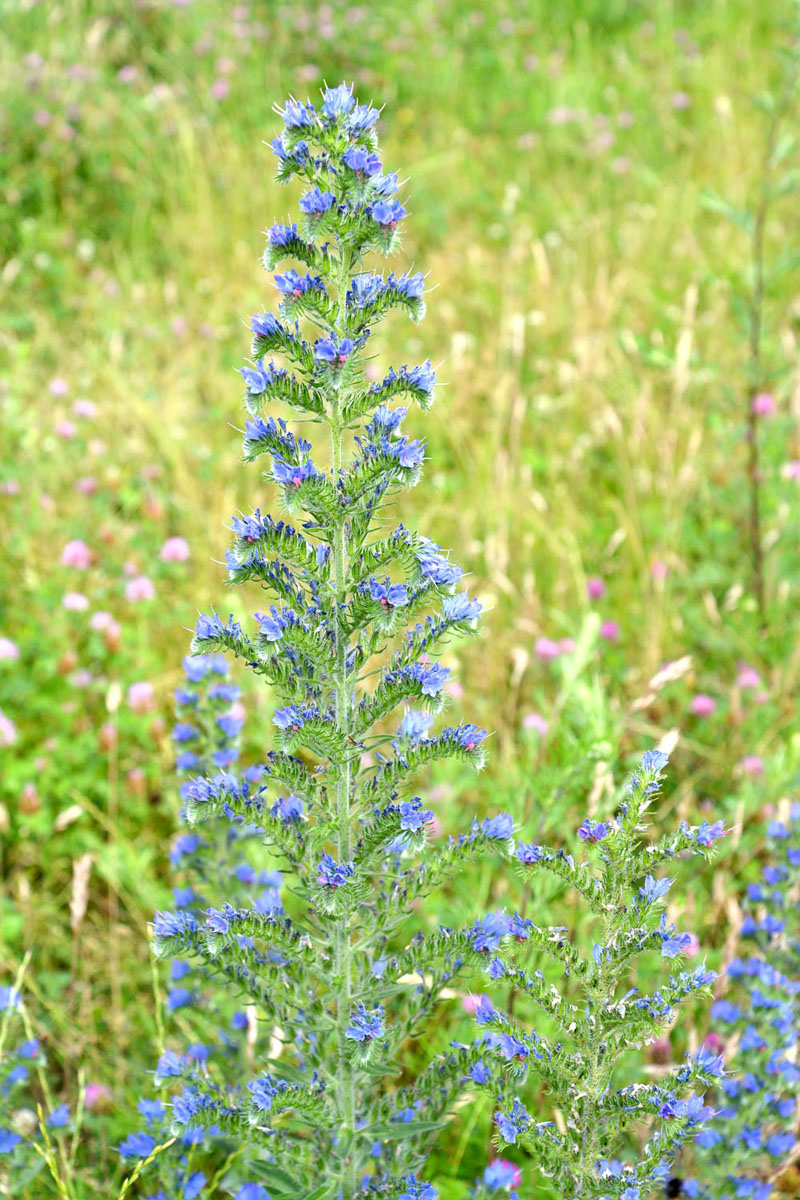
(386, 185)
(654, 760)
(413, 816)
(707, 834)
(137, 1145)
(485, 1011)
(8, 1139)
(338, 101)
(414, 725)
(513, 1123)
(500, 1174)
(411, 286)
(479, 1073)
(59, 1117)
(469, 737)
(333, 351)
(288, 808)
(294, 473)
(332, 874)
(653, 889)
(185, 732)
(488, 933)
(291, 716)
(296, 115)
(266, 325)
(361, 118)
(388, 594)
(292, 284)
(282, 235)
(725, 1011)
(193, 1185)
(415, 1189)
(362, 162)
(500, 826)
(387, 212)
(709, 1064)
(169, 1065)
(252, 1191)
(151, 1110)
(169, 924)
(593, 831)
(365, 1024)
(461, 608)
(264, 1090)
(210, 628)
(528, 852)
(315, 202)
(674, 943)
(179, 998)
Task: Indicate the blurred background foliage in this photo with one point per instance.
(593, 429)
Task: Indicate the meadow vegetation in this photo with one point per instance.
(573, 171)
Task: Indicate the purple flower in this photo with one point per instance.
(315, 202)
(365, 1024)
(707, 834)
(362, 162)
(414, 725)
(513, 1123)
(499, 827)
(332, 874)
(332, 351)
(292, 284)
(338, 101)
(296, 115)
(528, 852)
(137, 1145)
(593, 831)
(488, 933)
(413, 816)
(654, 760)
(9, 1139)
(283, 235)
(387, 213)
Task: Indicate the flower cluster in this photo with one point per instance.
(596, 1014)
(216, 860)
(752, 1134)
(330, 975)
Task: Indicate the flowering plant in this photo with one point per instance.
(753, 1132)
(607, 1018)
(358, 618)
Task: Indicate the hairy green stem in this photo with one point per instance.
(343, 949)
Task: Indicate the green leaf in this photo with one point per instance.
(715, 203)
(379, 1069)
(786, 145)
(787, 185)
(276, 1177)
(322, 1192)
(403, 1129)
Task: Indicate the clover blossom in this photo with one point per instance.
(596, 1014)
(331, 972)
(752, 1135)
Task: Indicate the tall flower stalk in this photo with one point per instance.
(359, 616)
